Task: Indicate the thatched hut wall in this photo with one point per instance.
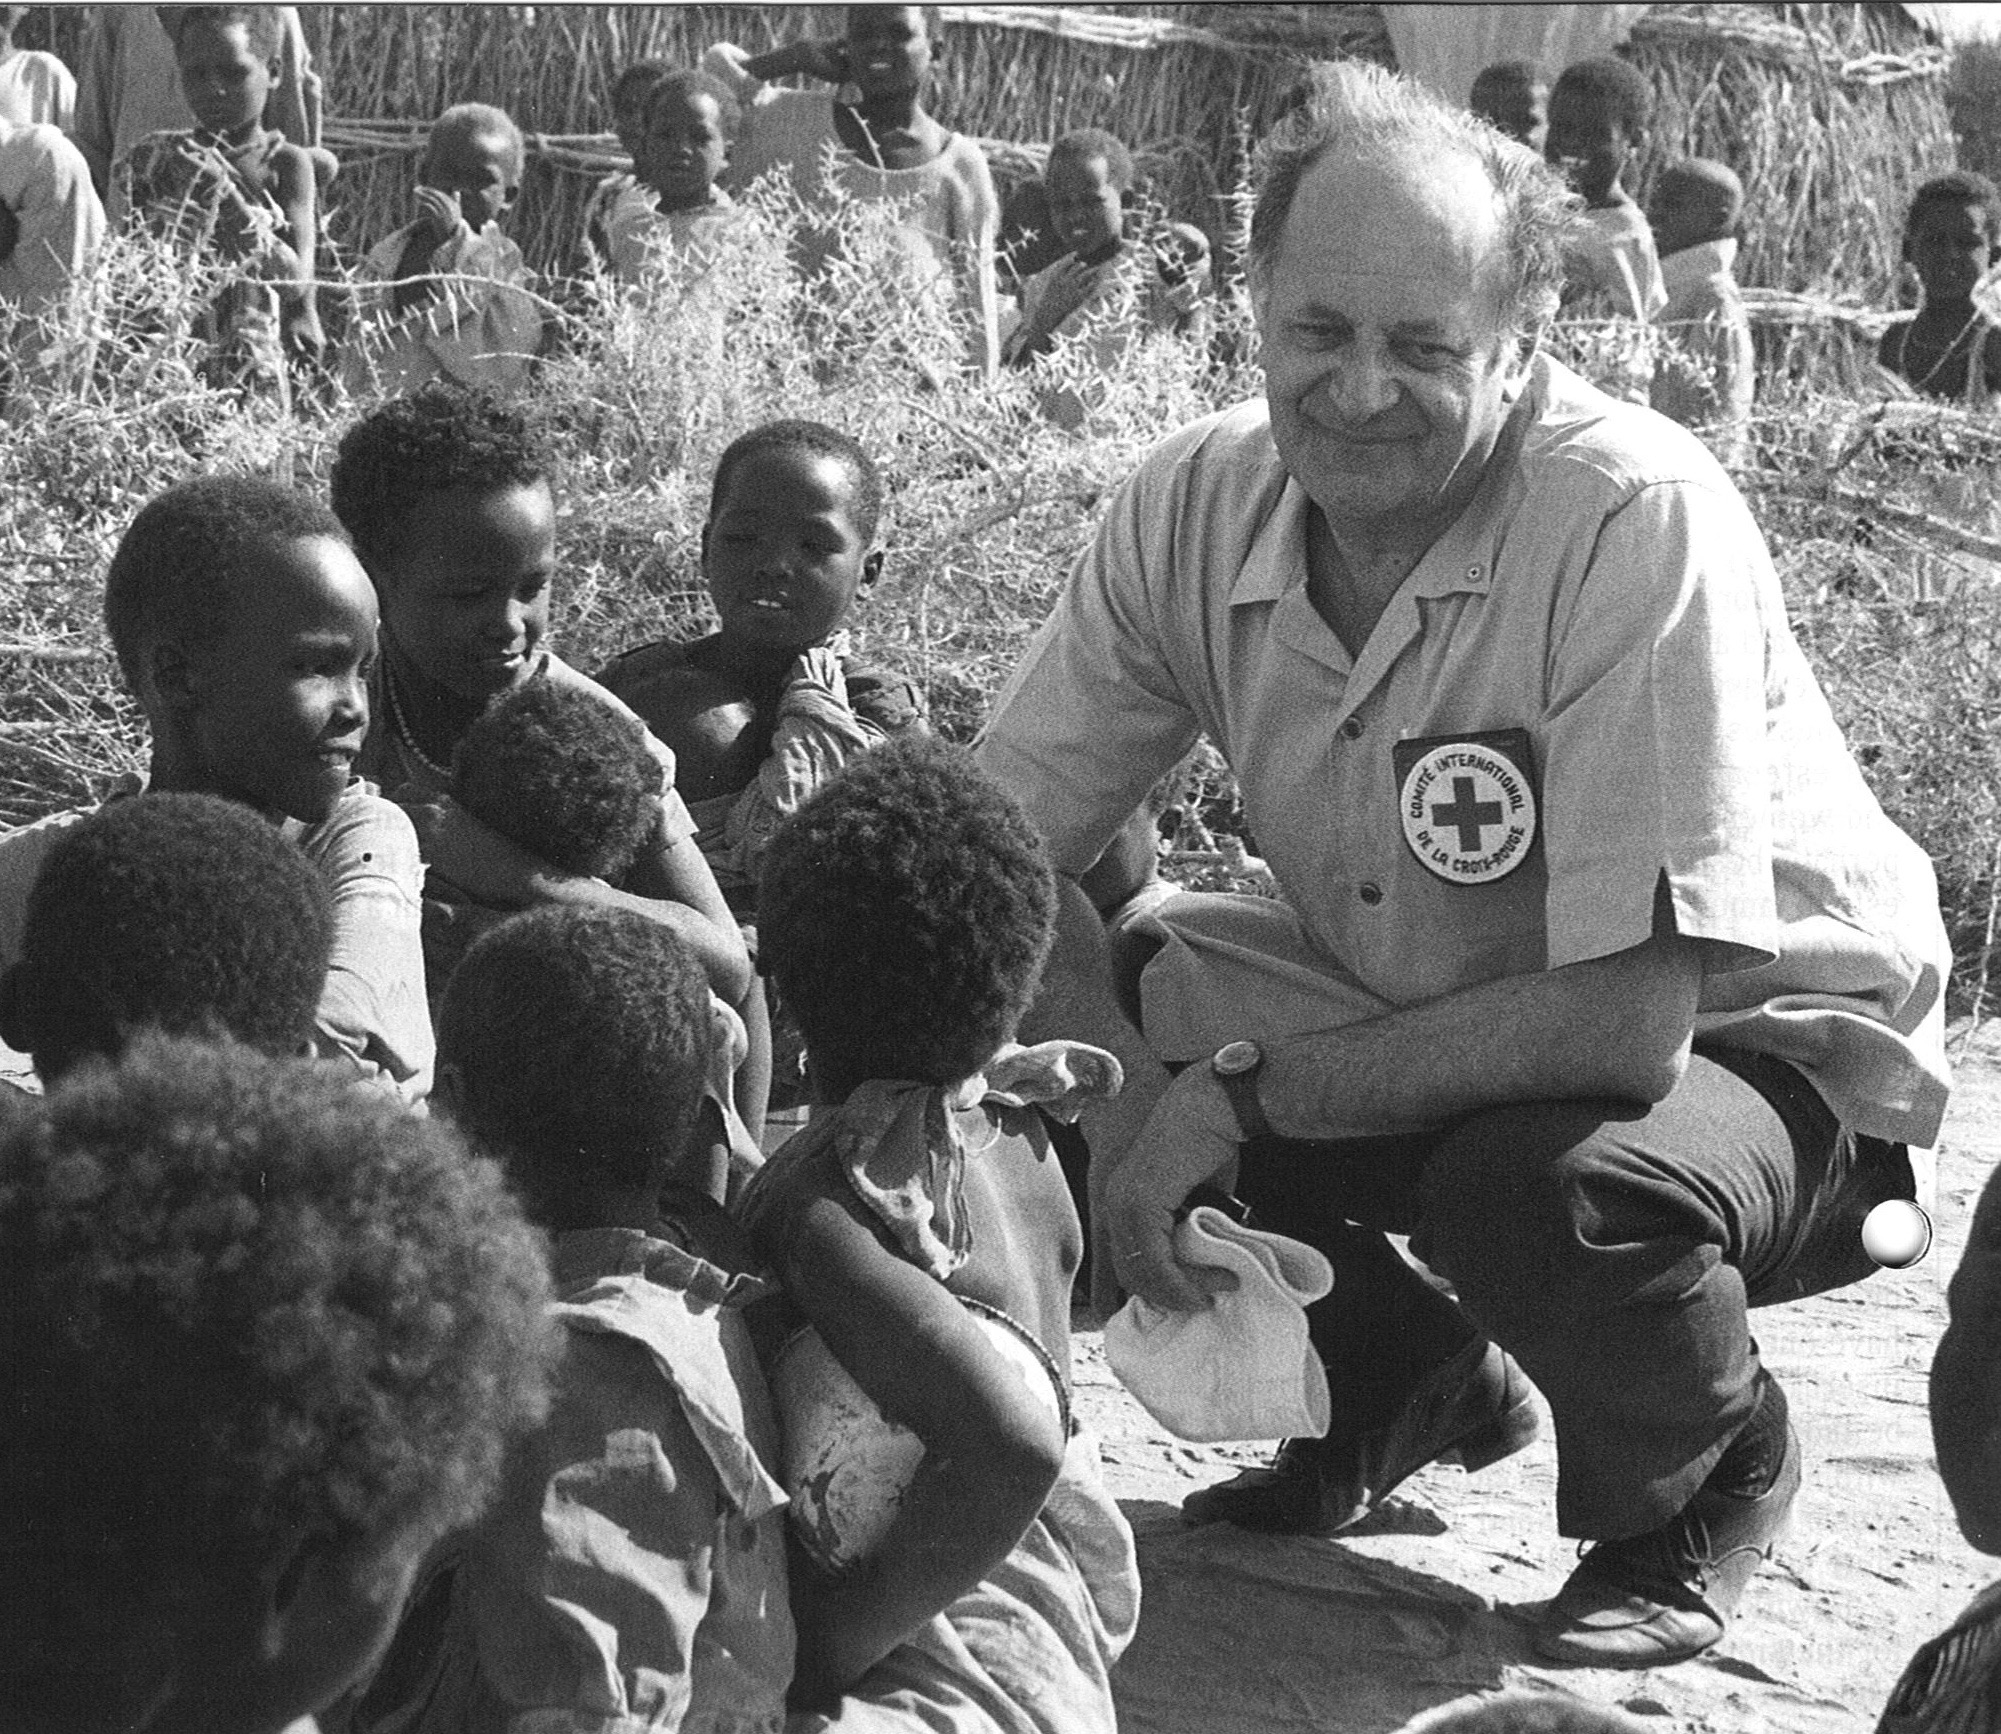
(1832, 113)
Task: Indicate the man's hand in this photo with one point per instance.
(1191, 1136)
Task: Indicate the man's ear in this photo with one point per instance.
(871, 569)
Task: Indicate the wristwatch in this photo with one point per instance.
(1236, 1066)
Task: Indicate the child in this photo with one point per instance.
(266, 1338)
(1706, 374)
(1514, 96)
(629, 92)
(558, 774)
(1598, 119)
(36, 89)
(244, 628)
(632, 1573)
(923, 1231)
(1952, 235)
(1101, 284)
(230, 192)
(455, 302)
(676, 207)
(185, 913)
(449, 497)
(51, 226)
(884, 147)
(765, 709)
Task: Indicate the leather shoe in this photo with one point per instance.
(1474, 1409)
(1668, 1594)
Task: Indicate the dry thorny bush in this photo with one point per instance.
(990, 501)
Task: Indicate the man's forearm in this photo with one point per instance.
(1615, 1026)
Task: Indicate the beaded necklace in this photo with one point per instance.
(404, 732)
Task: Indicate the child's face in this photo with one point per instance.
(1085, 209)
(684, 149)
(889, 50)
(465, 593)
(275, 707)
(476, 169)
(782, 555)
(223, 77)
(1516, 108)
(1951, 247)
(1587, 144)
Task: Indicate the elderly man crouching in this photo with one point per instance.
(1598, 971)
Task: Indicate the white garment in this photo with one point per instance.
(1241, 1368)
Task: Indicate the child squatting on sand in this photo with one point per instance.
(632, 1572)
(926, 1239)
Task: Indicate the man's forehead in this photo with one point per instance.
(1437, 218)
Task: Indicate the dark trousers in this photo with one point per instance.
(1611, 1248)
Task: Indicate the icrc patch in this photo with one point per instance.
(1468, 804)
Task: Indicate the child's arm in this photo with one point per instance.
(291, 262)
(991, 1455)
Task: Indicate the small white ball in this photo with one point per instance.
(1896, 1234)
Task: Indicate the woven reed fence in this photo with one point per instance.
(1831, 113)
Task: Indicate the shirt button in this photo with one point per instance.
(1352, 728)
(1371, 893)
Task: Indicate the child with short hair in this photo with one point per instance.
(632, 1573)
(1952, 236)
(267, 1336)
(450, 498)
(232, 192)
(871, 132)
(628, 121)
(244, 628)
(925, 1235)
(676, 207)
(1599, 113)
(446, 293)
(1512, 95)
(1706, 373)
(767, 708)
(1102, 285)
(182, 913)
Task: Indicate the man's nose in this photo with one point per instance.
(1359, 385)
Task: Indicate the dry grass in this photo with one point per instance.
(991, 501)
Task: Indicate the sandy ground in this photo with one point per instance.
(1244, 1634)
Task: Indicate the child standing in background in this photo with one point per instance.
(1514, 96)
(1952, 237)
(628, 123)
(767, 708)
(230, 191)
(1706, 374)
(677, 208)
(455, 302)
(885, 147)
(1598, 118)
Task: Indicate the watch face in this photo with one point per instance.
(1235, 1058)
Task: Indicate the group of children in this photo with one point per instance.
(254, 939)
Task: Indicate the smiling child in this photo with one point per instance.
(676, 207)
(1598, 118)
(245, 629)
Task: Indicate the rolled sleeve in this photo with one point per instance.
(1094, 716)
(1656, 756)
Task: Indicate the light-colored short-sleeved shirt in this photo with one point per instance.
(373, 1008)
(60, 224)
(1586, 686)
